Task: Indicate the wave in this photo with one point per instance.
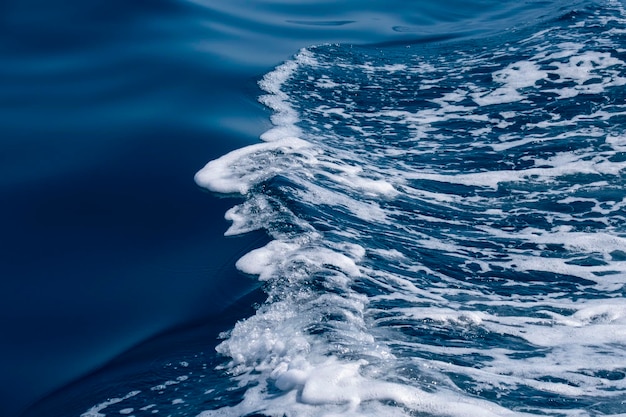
(447, 228)
(445, 213)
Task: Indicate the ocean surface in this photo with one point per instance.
(354, 208)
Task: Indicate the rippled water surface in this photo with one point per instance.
(432, 223)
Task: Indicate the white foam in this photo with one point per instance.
(336, 388)
(510, 143)
(326, 82)
(568, 164)
(261, 212)
(369, 275)
(230, 174)
(285, 116)
(337, 383)
(513, 78)
(617, 142)
(95, 411)
(584, 67)
(267, 261)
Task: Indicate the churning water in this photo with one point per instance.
(447, 224)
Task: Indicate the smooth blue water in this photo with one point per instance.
(442, 185)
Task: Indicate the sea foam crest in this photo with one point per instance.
(448, 229)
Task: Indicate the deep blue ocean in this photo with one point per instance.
(315, 208)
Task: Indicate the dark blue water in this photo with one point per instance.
(442, 186)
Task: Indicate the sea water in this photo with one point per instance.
(448, 228)
(446, 223)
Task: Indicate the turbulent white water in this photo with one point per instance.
(448, 228)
